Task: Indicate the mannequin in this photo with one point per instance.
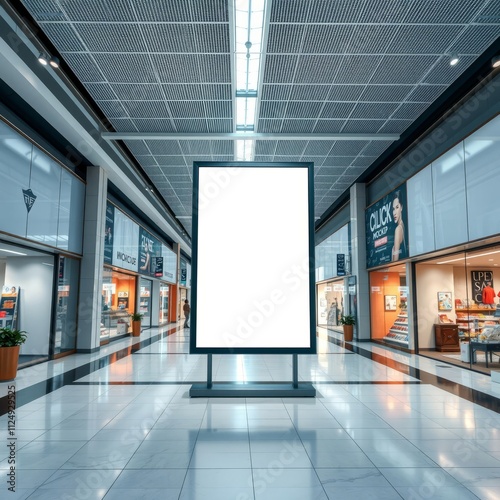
(488, 295)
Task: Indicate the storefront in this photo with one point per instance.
(331, 300)
(41, 231)
(459, 308)
(387, 245)
(138, 267)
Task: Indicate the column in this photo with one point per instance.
(89, 309)
(358, 260)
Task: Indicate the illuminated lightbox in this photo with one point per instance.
(253, 258)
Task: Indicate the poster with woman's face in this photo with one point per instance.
(387, 229)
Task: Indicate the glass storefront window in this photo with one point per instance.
(389, 298)
(164, 289)
(67, 305)
(331, 304)
(145, 302)
(458, 308)
(118, 301)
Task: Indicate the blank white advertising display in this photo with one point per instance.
(253, 290)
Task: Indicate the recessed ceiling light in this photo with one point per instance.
(454, 59)
(43, 59)
(54, 62)
(495, 62)
(12, 251)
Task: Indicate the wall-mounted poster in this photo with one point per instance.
(125, 240)
(482, 288)
(386, 229)
(8, 306)
(445, 301)
(390, 302)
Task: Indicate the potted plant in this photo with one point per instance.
(348, 323)
(136, 324)
(10, 343)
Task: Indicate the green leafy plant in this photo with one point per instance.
(11, 338)
(347, 320)
(136, 316)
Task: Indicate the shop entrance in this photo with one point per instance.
(331, 304)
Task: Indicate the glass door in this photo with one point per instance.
(146, 287)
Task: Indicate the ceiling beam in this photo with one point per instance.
(140, 136)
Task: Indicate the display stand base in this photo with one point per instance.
(255, 390)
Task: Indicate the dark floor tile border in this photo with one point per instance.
(324, 382)
(29, 394)
(467, 393)
(40, 389)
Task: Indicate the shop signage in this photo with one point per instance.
(108, 233)
(481, 280)
(29, 199)
(158, 267)
(169, 264)
(125, 238)
(387, 229)
(149, 249)
(341, 264)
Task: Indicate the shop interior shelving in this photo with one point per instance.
(467, 318)
(398, 333)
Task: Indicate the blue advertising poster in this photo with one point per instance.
(108, 233)
(387, 229)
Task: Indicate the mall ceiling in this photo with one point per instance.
(342, 82)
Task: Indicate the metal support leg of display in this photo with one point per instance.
(253, 389)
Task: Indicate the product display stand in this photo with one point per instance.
(292, 389)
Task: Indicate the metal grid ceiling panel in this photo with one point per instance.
(356, 69)
(444, 11)
(280, 69)
(296, 109)
(327, 39)
(291, 148)
(269, 126)
(181, 10)
(298, 126)
(423, 39)
(84, 67)
(373, 110)
(101, 91)
(337, 110)
(191, 109)
(272, 109)
(137, 147)
(113, 109)
(285, 38)
(194, 147)
(147, 160)
(348, 148)
(125, 68)
(426, 93)
(328, 126)
(410, 110)
(317, 69)
(63, 37)
(170, 38)
(372, 39)
(220, 126)
(375, 148)
(489, 14)
(395, 126)
(403, 69)
(284, 11)
(218, 109)
(219, 91)
(266, 148)
(164, 148)
(345, 92)
(319, 148)
(137, 92)
(309, 92)
(476, 39)
(443, 73)
(385, 93)
(147, 125)
(108, 37)
(276, 92)
(146, 109)
(363, 126)
(222, 149)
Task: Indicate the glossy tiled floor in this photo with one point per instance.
(120, 425)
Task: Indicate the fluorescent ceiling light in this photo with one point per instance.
(469, 257)
(12, 251)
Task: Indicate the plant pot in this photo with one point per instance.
(348, 332)
(9, 358)
(136, 328)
